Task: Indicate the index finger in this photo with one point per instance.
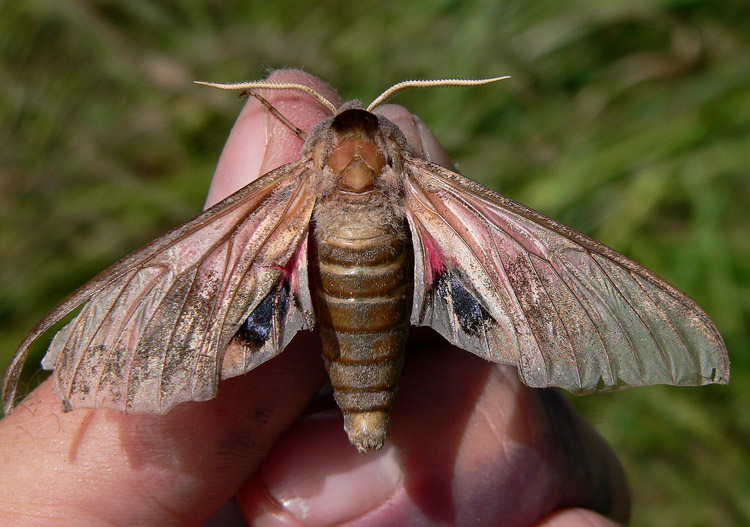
(259, 142)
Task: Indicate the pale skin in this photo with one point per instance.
(469, 444)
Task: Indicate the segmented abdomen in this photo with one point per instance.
(363, 300)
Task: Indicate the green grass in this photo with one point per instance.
(629, 120)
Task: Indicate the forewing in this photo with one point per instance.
(513, 286)
(153, 327)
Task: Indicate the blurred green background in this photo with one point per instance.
(629, 120)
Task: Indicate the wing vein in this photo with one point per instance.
(132, 312)
(496, 252)
(637, 314)
(288, 204)
(468, 205)
(560, 318)
(82, 354)
(612, 316)
(588, 315)
(219, 241)
(172, 331)
(434, 212)
(214, 304)
(519, 305)
(671, 325)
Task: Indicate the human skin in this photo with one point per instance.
(469, 444)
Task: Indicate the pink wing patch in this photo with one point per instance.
(434, 259)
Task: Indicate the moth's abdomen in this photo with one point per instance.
(363, 300)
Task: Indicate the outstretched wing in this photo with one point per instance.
(154, 327)
(513, 286)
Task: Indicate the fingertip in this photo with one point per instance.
(466, 436)
(315, 477)
(576, 517)
(420, 138)
(259, 142)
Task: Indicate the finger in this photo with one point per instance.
(576, 518)
(245, 157)
(469, 445)
(101, 466)
(421, 140)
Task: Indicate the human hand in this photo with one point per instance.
(469, 445)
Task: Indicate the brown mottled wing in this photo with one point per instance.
(513, 286)
(154, 327)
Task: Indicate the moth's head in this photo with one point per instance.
(355, 144)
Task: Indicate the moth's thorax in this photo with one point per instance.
(356, 162)
(358, 151)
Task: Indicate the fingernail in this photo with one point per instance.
(318, 478)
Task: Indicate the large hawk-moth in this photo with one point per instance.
(363, 238)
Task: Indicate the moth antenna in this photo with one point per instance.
(390, 92)
(270, 85)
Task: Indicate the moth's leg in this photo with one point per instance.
(270, 107)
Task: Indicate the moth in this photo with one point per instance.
(363, 238)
